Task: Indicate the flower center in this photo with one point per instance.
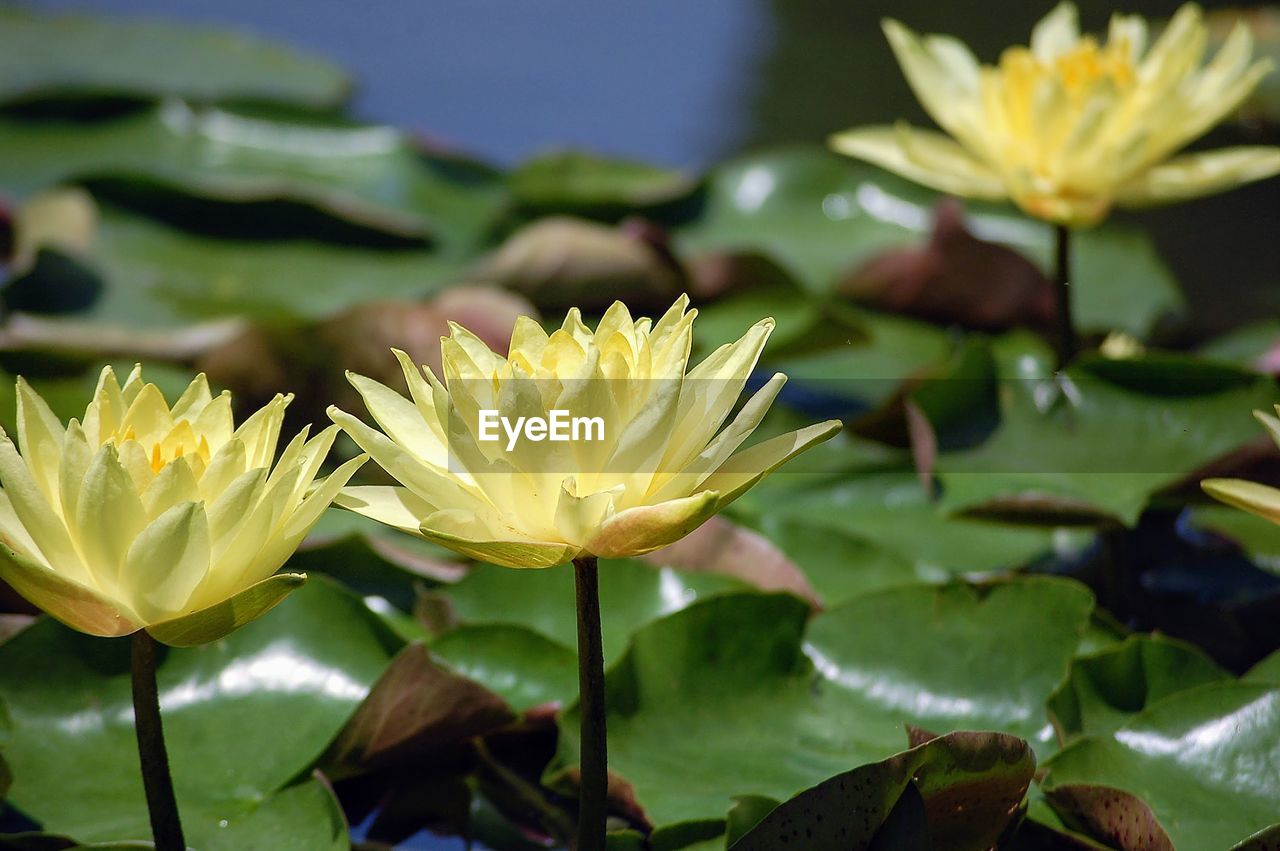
(1079, 71)
(181, 441)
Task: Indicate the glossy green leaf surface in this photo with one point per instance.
(967, 788)
(815, 699)
(1104, 438)
(820, 216)
(369, 175)
(574, 181)
(157, 276)
(301, 817)
(631, 593)
(524, 668)
(890, 510)
(243, 716)
(1107, 688)
(1205, 761)
(56, 56)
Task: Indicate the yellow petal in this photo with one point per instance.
(400, 419)
(231, 509)
(172, 485)
(1251, 496)
(1056, 33)
(214, 622)
(737, 475)
(943, 75)
(36, 515)
(193, 400)
(230, 463)
(1193, 175)
(1270, 423)
(946, 166)
(436, 487)
(578, 517)
(109, 515)
(397, 507)
(73, 464)
(261, 431)
(75, 605)
(166, 562)
(646, 528)
(443, 528)
(40, 438)
(297, 524)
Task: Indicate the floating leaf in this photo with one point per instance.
(969, 788)
(157, 276)
(370, 176)
(889, 509)
(696, 685)
(821, 217)
(631, 594)
(1205, 764)
(586, 184)
(1107, 688)
(243, 716)
(1097, 443)
(301, 817)
(522, 667)
(78, 56)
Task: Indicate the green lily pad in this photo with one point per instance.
(1258, 537)
(1205, 762)
(840, 565)
(81, 56)
(587, 184)
(243, 716)
(820, 216)
(891, 510)
(1266, 671)
(967, 788)
(368, 175)
(522, 667)
(696, 685)
(301, 817)
(157, 276)
(631, 594)
(1106, 689)
(1099, 442)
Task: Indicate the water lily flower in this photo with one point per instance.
(146, 516)
(1067, 128)
(1254, 497)
(663, 466)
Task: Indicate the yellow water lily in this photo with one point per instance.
(146, 516)
(659, 464)
(1253, 497)
(1068, 128)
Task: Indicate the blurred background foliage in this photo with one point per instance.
(987, 547)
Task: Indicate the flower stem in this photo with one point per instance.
(594, 786)
(1067, 344)
(161, 803)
